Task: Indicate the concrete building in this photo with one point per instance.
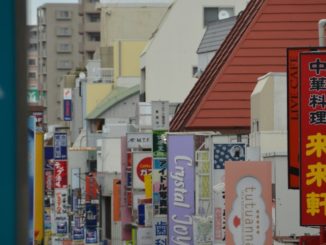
(34, 93)
(89, 29)
(170, 60)
(58, 52)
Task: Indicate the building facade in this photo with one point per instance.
(58, 52)
(89, 29)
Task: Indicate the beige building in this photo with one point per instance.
(89, 29)
(58, 51)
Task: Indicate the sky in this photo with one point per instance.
(32, 6)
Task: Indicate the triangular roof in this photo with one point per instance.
(256, 45)
(117, 95)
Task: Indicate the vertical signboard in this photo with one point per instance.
(181, 188)
(91, 189)
(60, 174)
(67, 104)
(60, 146)
(248, 203)
(313, 138)
(116, 200)
(160, 186)
(293, 108)
(142, 165)
(159, 144)
(221, 154)
(160, 229)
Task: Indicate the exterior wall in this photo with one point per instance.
(204, 59)
(125, 109)
(170, 57)
(49, 55)
(129, 21)
(95, 92)
(126, 58)
(78, 159)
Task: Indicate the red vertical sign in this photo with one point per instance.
(293, 106)
(91, 187)
(313, 138)
(60, 174)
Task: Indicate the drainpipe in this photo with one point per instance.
(321, 32)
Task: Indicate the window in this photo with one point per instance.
(64, 48)
(64, 31)
(94, 36)
(212, 14)
(64, 64)
(31, 75)
(31, 62)
(94, 1)
(94, 17)
(63, 14)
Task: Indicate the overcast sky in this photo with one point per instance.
(32, 5)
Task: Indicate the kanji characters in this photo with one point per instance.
(317, 174)
(317, 144)
(315, 202)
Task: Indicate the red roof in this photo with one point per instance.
(220, 100)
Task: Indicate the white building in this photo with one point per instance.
(169, 62)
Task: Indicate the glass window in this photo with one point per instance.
(212, 14)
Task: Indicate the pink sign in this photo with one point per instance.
(248, 202)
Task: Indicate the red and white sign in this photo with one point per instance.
(248, 203)
(142, 165)
(313, 139)
(60, 201)
(60, 174)
(91, 187)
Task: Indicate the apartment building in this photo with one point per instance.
(58, 52)
(89, 29)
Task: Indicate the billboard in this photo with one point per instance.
(248, 203)
(312, 139)
(293, 108)
(142, 165)
(181, 188)
(60, 174)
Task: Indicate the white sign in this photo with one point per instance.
(60, 201)
(160, 229)
(142, 165)
(67, 94)
(144, 236)
(139, 140)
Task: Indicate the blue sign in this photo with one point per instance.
(48, 155)
(228, 152)
(141, 214)
(62, 225)
(60, 146)
(78, 233)
(91, 215)
(91, 236)
(67, 105)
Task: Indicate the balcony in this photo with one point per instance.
(92, 27)
(91, 45)
(64, 64)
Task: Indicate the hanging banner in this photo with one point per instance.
(160, 186)
(116, 200)
(60, 174)
(159, 144)
(313, 139)
(67, 110)
(160, 229)
(139, 140)
(62, 225)
(142, 165)
(181, 188)
(48, 157)
(91, 189)
(221, 154)
(60, 201)
(248, 203)
(78, 233)
(91, 215)
(60, 146)
(91, 235)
